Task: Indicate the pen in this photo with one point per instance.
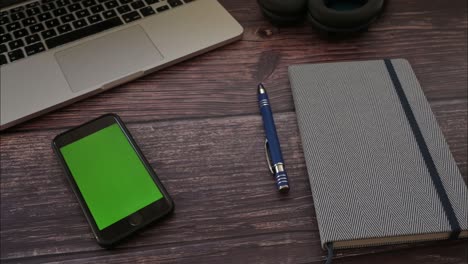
(272, 145)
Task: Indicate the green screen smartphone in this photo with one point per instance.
(116, 187)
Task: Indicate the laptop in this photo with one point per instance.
(55, 52)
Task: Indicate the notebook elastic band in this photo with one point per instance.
(448, 209)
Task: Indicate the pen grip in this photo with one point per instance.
(270, 130)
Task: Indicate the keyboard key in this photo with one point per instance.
(162, 8)
(48, 7)
(5, 38)
(83, 32)
(132, 16)
(17, 16)
(60, 12)
(16, 9)
(20, 33)
(34, 48)
(88, 3)
(36, 28)
(33, 4)
(2, 30)
(3, 48)
(32, 38)
(61, 3)
(138, 4)
(147, 11)
(4, 20)
(123, 2)
(150, 2)
(109, 13)
(111, 4)
(67, 18)
(33, 11)
(174, 3)
(74, 7)
(64, 28)
(13, 26)
(52, 23)
(44, 16)
(94, 19)
(48, 33)
(15, 44)
(80, 23)
(3, 59)
(29, 21)
(82, 13)
(16, 55)
(123, 9)
(97, 9)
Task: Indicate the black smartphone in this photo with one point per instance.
(115, 185)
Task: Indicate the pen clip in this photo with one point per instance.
(267, 155)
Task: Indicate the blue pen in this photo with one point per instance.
(272, 145)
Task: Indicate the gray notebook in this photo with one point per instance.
(380, 169)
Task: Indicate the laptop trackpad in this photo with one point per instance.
(110, 58)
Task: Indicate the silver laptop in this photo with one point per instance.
(55, 52)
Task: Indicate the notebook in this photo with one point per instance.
(379, 167)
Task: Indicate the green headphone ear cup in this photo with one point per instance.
(284, 11)
(332, 20)
(282, 19)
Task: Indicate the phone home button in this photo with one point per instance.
(135, 219)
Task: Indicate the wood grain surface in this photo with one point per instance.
(198, 124)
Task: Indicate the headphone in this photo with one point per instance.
(333, 16)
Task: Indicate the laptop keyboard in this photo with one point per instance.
(41, 25)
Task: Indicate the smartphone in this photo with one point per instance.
(115, 185)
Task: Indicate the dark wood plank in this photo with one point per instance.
(432, 36)
(226, 204)
(271, 248)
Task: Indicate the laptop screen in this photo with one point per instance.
(5, 3)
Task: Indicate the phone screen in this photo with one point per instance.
(110, 175)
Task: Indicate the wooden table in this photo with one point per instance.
(198, 124)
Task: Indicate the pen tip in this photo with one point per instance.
(261, 88)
